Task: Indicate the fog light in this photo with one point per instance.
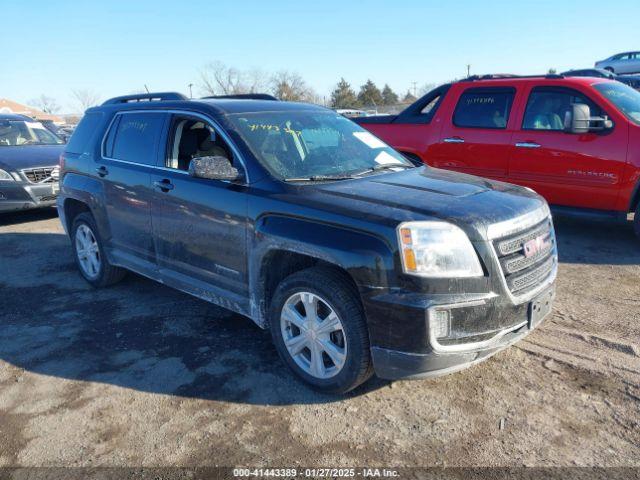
(440, 323)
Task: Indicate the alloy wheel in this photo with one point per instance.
(87, 251)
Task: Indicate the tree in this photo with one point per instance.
(552, 71)
(218, 79)
(370, 95)
(343, 96)
(409, 97)
(290, 86)
(85, 98)
(389, 97)
(426, 88)
(46, 104)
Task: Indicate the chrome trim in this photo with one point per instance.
(527, 145)
(532, 220)
(514, 225)
(466, 347)
(30, 169)
(453, 140)
(219, 130)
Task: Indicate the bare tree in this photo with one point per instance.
(46, 104)
(85, 98)
(290, 86)
(426, 88)
(216, 78)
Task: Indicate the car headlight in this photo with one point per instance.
(437, 249)
(5, 176)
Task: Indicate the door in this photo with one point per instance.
(477, 138)
(130, 153)
(200, 225)
(577, 170)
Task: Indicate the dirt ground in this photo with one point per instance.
(142, 375)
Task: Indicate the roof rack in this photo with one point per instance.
(146, 97)
(492, 76)
(245, 96)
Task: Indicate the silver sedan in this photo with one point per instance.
(628, 62)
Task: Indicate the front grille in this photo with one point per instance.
(40, 175)
(528, 257)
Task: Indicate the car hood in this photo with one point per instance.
(29, 156)
(425, 193)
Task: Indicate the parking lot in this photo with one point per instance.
(140, 374)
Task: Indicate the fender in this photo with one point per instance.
(366, 257)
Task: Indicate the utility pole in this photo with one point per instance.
(190, 90)
(468, 70)
(415, 91)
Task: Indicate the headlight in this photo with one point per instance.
(437, 249)
(5, 177)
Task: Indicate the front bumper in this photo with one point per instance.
(436, 357)
(16, 195)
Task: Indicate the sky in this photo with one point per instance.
(117, 47)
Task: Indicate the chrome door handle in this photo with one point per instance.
(527, 145)
(453, 140)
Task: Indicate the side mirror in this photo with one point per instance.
(579, 120)
(213, 168)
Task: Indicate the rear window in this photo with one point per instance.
(136, 137)
(80, 141)
(484, 108)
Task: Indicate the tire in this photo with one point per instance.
(104, 274)
(349, 343)
(636, 221)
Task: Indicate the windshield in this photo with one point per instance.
(314, 146)
(14, 133)
(625, 98)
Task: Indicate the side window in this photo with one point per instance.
(547, 108)
(80, 141)
(134, 137)
(484, 108)
(429, 107)
(191, 137)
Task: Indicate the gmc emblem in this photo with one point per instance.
(536, 245)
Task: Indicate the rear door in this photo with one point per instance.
(129, 155)
(200, 225)
(577, 170)
(476, 137)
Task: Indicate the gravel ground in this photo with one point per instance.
(142, 375)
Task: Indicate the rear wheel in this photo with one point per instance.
(318, 327)
(89, 253)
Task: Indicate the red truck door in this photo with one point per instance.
(578, 170)
(476, 137)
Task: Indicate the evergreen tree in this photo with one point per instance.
(343, 96)
(389, 97)
(370, 95)
(409, 97)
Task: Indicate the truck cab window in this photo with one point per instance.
(191, 138)
(484, 108)
(548, 109)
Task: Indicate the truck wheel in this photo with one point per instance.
(636, 221)
(319, 330)
(89, 253)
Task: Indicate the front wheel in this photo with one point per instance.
(318, 327)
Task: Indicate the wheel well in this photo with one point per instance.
(279, 264)
(72, 208)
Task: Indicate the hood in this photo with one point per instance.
(29, 156)
(425, 193)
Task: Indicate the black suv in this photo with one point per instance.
(290, 214)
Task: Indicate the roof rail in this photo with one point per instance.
(491, 76)
(245, 96)
(146, 97)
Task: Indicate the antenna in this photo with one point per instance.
(146, 88)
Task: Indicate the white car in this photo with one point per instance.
(628, 62)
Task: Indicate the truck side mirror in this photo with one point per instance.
(213, 168)
(579, 120)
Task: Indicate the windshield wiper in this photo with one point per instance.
(387, 166)
(320, 178)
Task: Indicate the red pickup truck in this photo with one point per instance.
(574, 140)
